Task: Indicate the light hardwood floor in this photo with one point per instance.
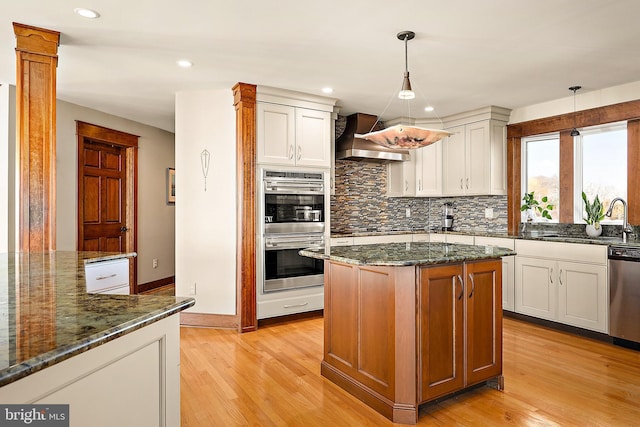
(272, 378)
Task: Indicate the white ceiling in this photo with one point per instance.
(467, 53)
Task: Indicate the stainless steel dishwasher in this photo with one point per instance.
(624, 295)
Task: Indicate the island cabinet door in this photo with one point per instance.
(483, 296)
(441, 298)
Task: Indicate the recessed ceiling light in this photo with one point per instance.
(428, 109)
(86, 13)
(184, 63)
(327, 90)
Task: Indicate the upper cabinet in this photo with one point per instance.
(474, 156)
(294, 129)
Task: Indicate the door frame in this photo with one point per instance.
(129, 143)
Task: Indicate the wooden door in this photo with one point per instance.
(107, 192)
(441, 333)
(484, 320)
(101, 191)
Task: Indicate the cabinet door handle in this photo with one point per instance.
(467, 183)
(461, 287)
(461, 183)
(420, 185)
(551, 276)
(299, 153)
(406, 185)
(560, 277)
(473, 285)
(107, 277)
(331, 182)
(291, 152)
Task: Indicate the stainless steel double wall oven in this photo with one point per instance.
(294, 211)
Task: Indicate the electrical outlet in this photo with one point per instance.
(488, 213)
(155, 263)
(408, 213)
(192, 289)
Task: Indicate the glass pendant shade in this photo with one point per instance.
(406, 92)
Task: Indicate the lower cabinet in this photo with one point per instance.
(572, 292)
(290, 302)
(460, 327)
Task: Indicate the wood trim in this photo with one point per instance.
(566, 177)
(209, 320)
(244, 101)
(633, 171)
(514, 184)
(608, 114)
(36, 62)
(130, 144)
(155, 284)
(106, 135)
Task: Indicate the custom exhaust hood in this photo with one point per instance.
(348, 147)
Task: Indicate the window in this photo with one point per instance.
(601, 168)
(540, 169)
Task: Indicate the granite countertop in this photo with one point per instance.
(407, 254)
(46, 315)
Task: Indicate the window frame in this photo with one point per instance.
(524, 169)
(578, 214)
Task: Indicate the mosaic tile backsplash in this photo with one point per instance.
(360, 204)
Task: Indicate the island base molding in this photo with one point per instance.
(403, 413)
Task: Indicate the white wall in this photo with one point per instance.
(585, 100)
(7, 167)
(156, 219)
(206, 220)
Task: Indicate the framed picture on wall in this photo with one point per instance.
(171, 185)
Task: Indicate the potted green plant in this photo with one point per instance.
(531, 205)
(595, 214)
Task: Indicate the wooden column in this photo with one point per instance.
(514, 158)
(633, 171)
(244, 100)
(565, 214)
(36, 61)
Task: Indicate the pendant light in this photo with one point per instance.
(574, 131)
(406, 92)
(405, 136)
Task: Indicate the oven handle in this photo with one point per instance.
(294, 244)
(293, 187)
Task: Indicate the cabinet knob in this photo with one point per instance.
(123, 229)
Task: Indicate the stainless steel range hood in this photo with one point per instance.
(348, 147)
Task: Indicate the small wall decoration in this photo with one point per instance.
(204, 162)
(171, 185)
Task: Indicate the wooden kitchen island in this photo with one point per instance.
(408, 323)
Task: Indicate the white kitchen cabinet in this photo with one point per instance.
(401, 178)
(428, 170)
(463, 239)
(108, 277)
(341, 241)
(275, 133)
(508, 268)
(562, 282)
(420, 237)
(385, 238)
(474, 156)
(313, 138)
(286, 303)
(437, 237)
(467, 160)
(293, 136)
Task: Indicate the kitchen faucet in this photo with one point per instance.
(626, 228)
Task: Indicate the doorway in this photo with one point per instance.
(107, 192)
